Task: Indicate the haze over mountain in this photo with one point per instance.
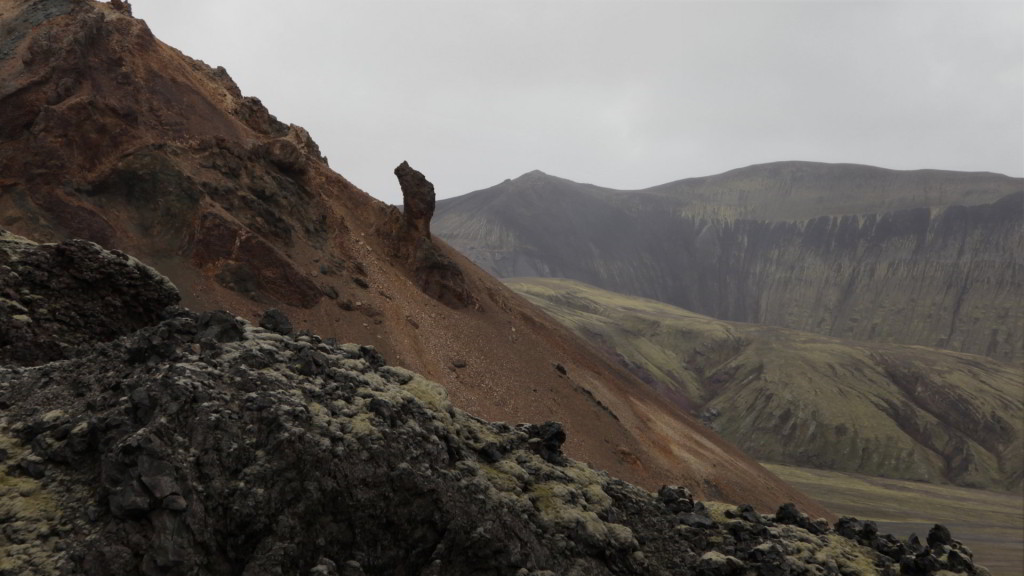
(802, 399)
(109, 135)
(925, 257)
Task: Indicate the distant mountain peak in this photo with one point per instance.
(534, 174)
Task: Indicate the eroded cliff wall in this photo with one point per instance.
(948, 272)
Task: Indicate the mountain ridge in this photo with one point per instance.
(943, 268)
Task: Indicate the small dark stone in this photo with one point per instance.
(848, 527)
(219, 326)
(695, 520)
(745, 512)
(560, 368)
(458, 363)
(129, 500)
(331, 292)
(921, 564)
(914, 544)
(361, 282)
(490, 452)
(383, 409)
(372, 356)
(956, 562)
(676, 499)
(717, 564)
(310, 362)
(819, 526)
(788, 514)
(546, 440)
(939, 535)
(175, 502)
(276, 321)
(33, 466)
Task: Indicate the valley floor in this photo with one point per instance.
(990, 523)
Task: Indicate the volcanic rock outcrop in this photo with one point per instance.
(435, 273)
(38, 322)
(417, 198)
(109, 135)
(200, 444)
(926, 257)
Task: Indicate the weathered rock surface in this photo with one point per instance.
(807, 400)
(113, 295)
(202, 445)
(417, 197)
(914, 257)
(435, 273)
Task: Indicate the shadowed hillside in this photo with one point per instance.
(797, 398)
(915, 257)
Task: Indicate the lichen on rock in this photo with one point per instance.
(200, 444)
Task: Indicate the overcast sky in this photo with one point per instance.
(623, 94)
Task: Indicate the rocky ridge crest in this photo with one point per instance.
(201, 444)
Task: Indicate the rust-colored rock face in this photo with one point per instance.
(417, 199)
(437, 275)
(108, 134)
(203, 445)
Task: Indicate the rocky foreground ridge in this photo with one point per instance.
(202, 444)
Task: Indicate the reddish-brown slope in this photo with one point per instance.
(108, 134)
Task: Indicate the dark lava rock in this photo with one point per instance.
(436, 274)
(677, 499)
(54, 297)
(417, 199)
(202, 445)
(696, 520)
(219, 326)
(745, 512)
(276, 321)
(939, 535)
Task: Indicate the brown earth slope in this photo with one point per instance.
(927, 257)
(108, 134)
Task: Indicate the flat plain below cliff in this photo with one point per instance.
(109, 135)
(925, 257)
(803, 399)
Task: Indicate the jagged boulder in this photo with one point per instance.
(417, 199)
(54, 297)
(436, 274)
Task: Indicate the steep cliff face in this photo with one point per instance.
(199, 444)
(109, 135)
(927, 257)
(808, 400)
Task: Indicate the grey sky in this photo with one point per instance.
(622, 94)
